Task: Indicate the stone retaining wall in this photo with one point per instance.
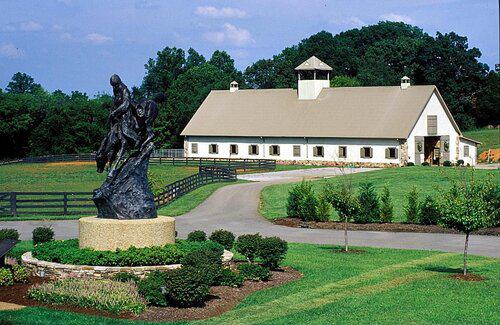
(53, 270)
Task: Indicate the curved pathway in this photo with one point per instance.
(235, 208)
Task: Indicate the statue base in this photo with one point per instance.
(110, 234)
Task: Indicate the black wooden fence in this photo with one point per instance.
(234, 163)
(80, 203)
(206, 175)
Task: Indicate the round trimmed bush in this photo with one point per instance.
(409, 164)
(207, 260)
(186, 287)
(272, 251)
(425, 163)
(248, 246)
(447, 163)
(229, 278)
(9, 234)
(6, 278)
(42, 235)
(460, 162)
(153, 288)
(197, 235)
(223, 237)
(254, 272)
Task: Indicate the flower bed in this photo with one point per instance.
(68, 252)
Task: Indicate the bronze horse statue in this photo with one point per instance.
(131, 128)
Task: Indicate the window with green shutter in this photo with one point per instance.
(274, 150)
(366, 152)
(253, 149)
(233, 149)
(342, 152)
(296, 151)
(213, 149)
(194, 148)
(318, 151)
(391, 153)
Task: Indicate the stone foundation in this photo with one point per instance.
(336, 163)
(109, 234)
(52, 270)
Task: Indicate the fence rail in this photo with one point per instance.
(80, 203)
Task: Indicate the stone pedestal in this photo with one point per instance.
(109, 234)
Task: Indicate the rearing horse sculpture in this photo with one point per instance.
(131, 128)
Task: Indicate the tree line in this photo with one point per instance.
(36, 122)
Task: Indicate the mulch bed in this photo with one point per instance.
(468, 277)
(391, 227)
(222, 299)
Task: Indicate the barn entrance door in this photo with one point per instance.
(432, 150)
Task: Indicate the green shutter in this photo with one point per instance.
(396, 153)
(387, 153)
(315, 151)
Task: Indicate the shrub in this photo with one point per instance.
(9, 234)
(208, 261)
(42, 235)
(254, 272)
(186, 287)
(412, 207)
(447, 163)
(223, 237)
(68, 252)
(20, 274)
(153, 288)
(272, 251)
(154, 183)
(248, 246)
(429, 212)
(197, 235)
(126, 277)
(112, 296)
(425, 163)
(369, 204)
(386, 207)
(6, 278)
(323, 209)
(409, 164)
(307, 207)
(295, 196)
(229, 278)
(460, 162)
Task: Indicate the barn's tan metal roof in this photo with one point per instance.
(313, 63)
(355, 112)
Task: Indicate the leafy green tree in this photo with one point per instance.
(469, 206)
(488, 99)
(386, 206)
(344, 81)
(22, 83)
(194, 59)
(412, 207)
(163, 71)
(369, 204)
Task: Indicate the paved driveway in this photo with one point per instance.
(235, 208)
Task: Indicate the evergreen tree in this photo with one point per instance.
(412, 207)
(386, 208)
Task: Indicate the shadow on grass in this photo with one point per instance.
(443, 269)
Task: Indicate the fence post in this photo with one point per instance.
(65, 203)
(13, 204)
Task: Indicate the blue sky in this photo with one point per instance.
(77, 44)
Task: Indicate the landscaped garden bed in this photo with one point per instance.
(391, 227)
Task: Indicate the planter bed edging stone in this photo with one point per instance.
(53, 270)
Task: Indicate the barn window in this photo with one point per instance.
(466, 151)
(343, 152)
(274, 150)
(296, 151)
(253, 149)
(318, 151)
(391, 153)
(213, 149)
(233, 149)
(366, 152)
(432, 124)
(194, 148)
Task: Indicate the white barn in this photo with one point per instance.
(316, 124)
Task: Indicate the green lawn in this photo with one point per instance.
(379, 286)
(428, 180)
(489, 138)
(280, 168)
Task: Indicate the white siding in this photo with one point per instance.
(471, 159)
(330, 145)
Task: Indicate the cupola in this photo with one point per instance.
(233, 86)
(405, 82)
(313, 75)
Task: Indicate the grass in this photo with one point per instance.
(428, 180)
(489, 138)
(379, 286)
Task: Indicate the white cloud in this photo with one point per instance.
(225, 12)
(396, 17)
(352, 21)
(97, 38)
(57, 27)
(231, 34)
(9, 50)
(30, 26)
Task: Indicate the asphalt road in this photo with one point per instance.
(235, 208)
